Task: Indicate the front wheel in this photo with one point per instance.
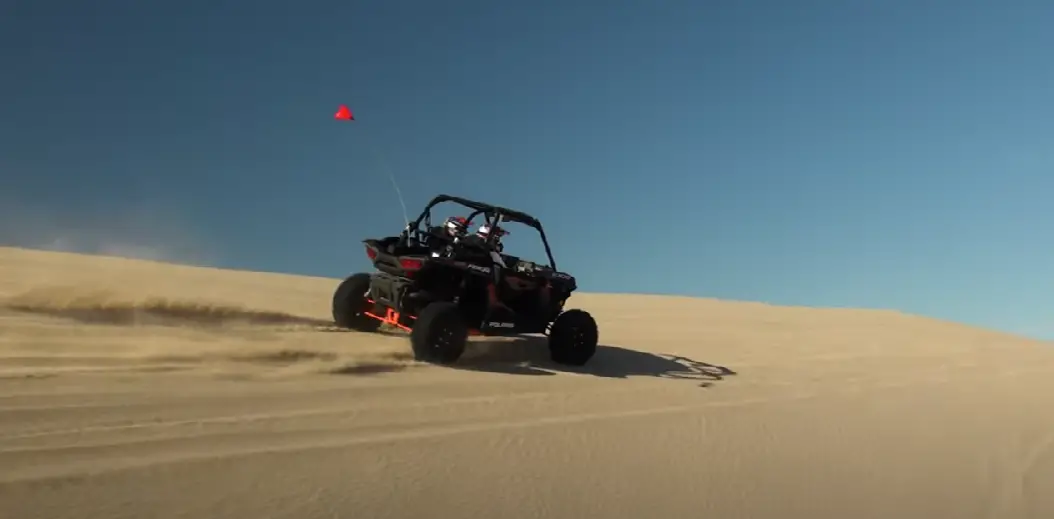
(573, 338)
(350, 304)
(439, 334)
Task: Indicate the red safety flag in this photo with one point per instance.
(344, 114)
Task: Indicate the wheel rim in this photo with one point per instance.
(443, 339)
(579, 338)
(576, 337)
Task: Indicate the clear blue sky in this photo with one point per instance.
(894, 154)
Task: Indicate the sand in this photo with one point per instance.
(137, 389)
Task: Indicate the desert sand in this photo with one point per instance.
(138, 389)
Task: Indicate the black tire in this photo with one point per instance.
(439, 334)
(573, 338)
(350, 305)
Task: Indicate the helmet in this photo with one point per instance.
(485, 231)
(456, 226)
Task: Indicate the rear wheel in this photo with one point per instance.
(439, 334)
(350, 304)
(573, 338)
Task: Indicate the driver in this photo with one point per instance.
(485, 231)
(493, 292)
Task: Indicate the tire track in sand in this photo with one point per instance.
(28, 465)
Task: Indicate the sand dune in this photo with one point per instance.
(139, 389)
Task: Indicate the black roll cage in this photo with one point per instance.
(492, 215)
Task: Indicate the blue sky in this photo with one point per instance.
(892, 154)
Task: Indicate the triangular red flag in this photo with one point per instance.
(344, 114)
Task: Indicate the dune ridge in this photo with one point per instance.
(133, 388)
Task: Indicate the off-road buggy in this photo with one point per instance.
(441, 284)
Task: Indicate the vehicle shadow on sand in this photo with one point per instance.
(530, 356)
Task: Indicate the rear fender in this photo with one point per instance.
(384, 261)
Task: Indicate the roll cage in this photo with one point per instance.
(492, 214)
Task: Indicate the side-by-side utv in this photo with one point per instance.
(442, 283)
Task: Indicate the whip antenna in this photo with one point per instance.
(398, 192)
(344, 114)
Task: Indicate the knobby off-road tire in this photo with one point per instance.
(350, 305)
(439, 334)
(573, 338)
